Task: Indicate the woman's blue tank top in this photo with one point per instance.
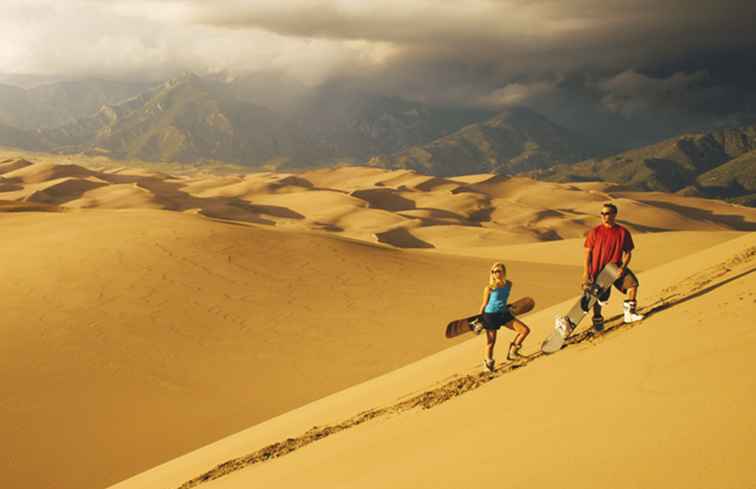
(497, 299)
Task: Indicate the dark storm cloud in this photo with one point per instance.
(594, 32)
(633, 57)
(586, 63)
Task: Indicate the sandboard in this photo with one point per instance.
(466, 325)
(566, 324)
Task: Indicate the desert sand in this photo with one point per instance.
(667, 402)
(154, 311)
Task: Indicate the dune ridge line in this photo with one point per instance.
(406, 210)
(737, 267)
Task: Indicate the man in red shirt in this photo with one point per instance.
(611, 243)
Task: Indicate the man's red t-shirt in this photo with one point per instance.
(606, 245)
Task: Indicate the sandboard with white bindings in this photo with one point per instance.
(566, 324)
(466, 325)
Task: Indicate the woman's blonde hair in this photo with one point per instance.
(492, 277)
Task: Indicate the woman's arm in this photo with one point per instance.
(486, 293)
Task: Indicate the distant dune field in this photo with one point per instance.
(149, 312)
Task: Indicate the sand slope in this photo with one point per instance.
(116, 321)
(666, 402)
(150, 312)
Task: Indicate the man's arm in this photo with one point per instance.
(627, 252)
(626, 257)
(586, 266)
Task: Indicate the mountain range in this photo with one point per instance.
(181, 120)
(261, 122)
(511, 142)
(192, 119)
(55, 104)
(719, 164)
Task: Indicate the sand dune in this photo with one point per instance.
(401, 238)
(149, 312)
(12, 164)
(117, 196)
(432, 217)
(461, 239)
(401, 208)
(62, 190)
(118, 321)
(711, 213)
(41, 172)
(207, 186)
(9, 186)
(247, 186)
(351, 178)
(624, 409)
(380, 198)
(137, 172)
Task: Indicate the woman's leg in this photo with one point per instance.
(490, 342)
(522, 331)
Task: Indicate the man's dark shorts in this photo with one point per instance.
(627, 280)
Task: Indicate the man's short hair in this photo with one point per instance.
(612, 207)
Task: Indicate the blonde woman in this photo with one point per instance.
(496, 314)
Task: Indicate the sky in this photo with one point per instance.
(586, 62)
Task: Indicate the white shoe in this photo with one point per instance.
(489, 364)
(630, 315)
(562, 324)
(514, 353)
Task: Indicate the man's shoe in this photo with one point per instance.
(562, 324)
(598, 323)
(630, 315)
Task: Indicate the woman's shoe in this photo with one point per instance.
(489, 364)
(514, 352)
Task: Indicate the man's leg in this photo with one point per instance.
(630, 284)
(598, 318)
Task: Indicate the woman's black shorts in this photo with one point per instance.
(495, 320)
